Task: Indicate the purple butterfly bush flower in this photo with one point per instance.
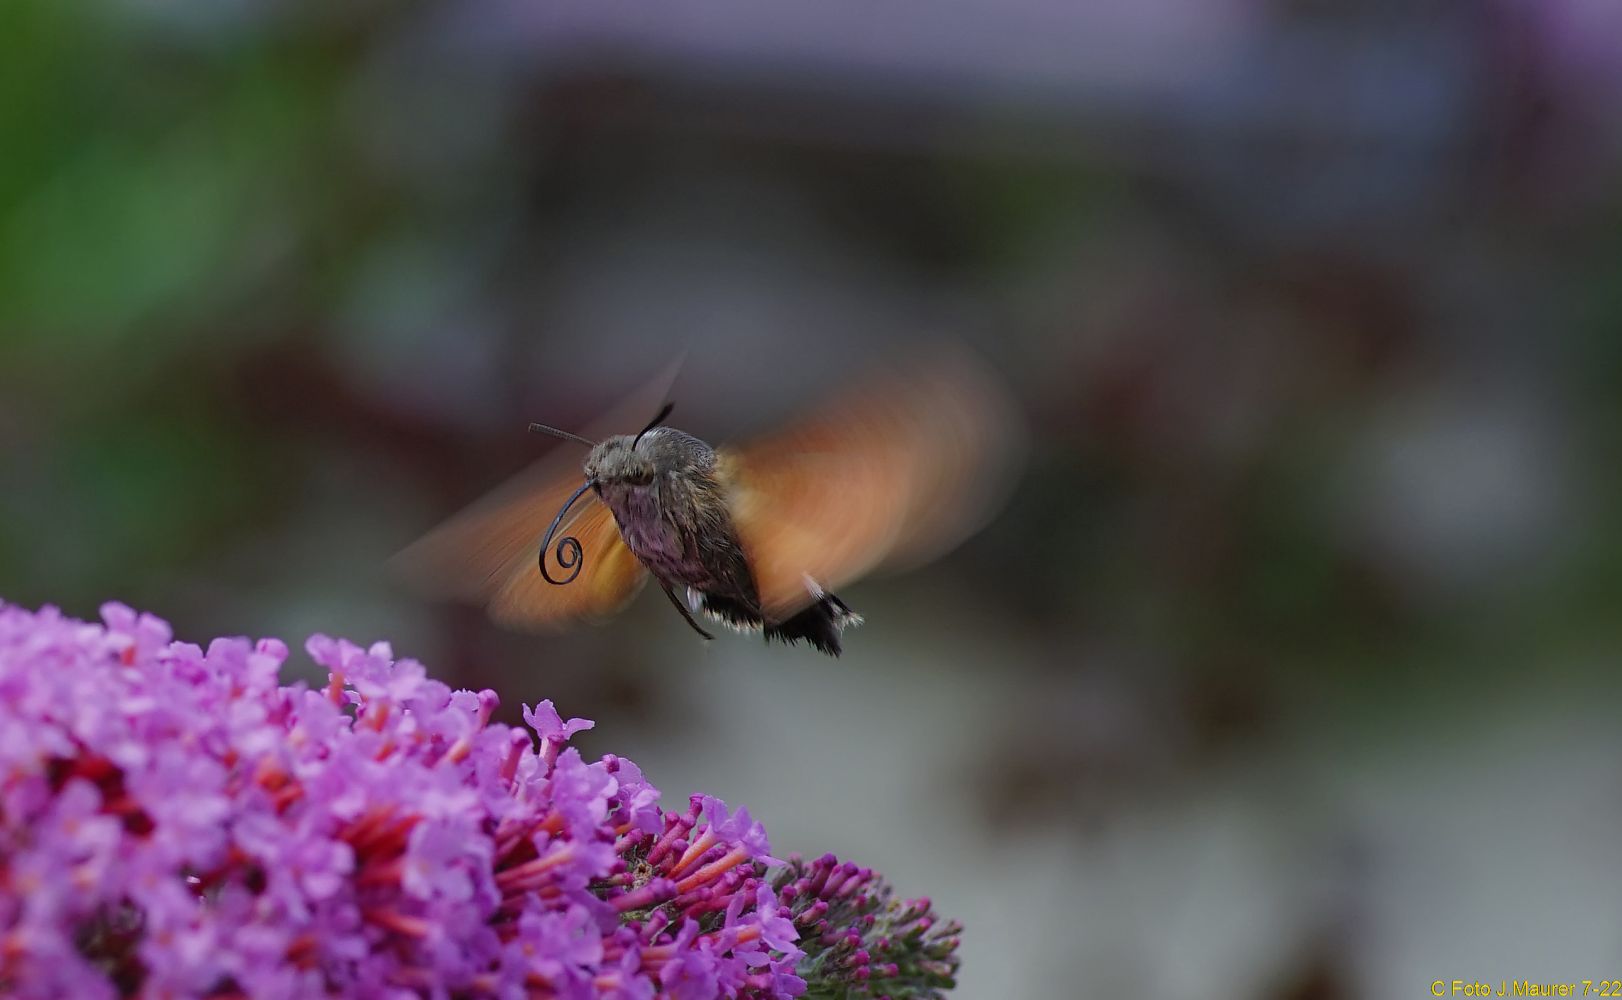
(175, 822)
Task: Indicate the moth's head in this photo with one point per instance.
(622, 460)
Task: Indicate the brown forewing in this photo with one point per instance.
(887, 475)
(489, 553)
(610, 576)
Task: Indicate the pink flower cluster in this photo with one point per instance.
(175, 822)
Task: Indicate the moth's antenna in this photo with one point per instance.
(655, 422)
(565, 435)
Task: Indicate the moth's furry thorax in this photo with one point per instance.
(622, 459)
(670, 509)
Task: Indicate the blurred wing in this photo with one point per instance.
(889, 475)
(490, 553)
(610, 576)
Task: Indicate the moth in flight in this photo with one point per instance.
(756, 537)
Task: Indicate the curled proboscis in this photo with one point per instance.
(569, 554)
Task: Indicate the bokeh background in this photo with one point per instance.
(1290, 670)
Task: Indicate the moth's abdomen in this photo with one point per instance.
(679, 541)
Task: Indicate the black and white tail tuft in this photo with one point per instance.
(820, 624)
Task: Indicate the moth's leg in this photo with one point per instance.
(680, 606)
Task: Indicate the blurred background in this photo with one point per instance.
(1290, 670)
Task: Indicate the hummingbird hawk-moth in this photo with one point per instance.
(755, 537)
